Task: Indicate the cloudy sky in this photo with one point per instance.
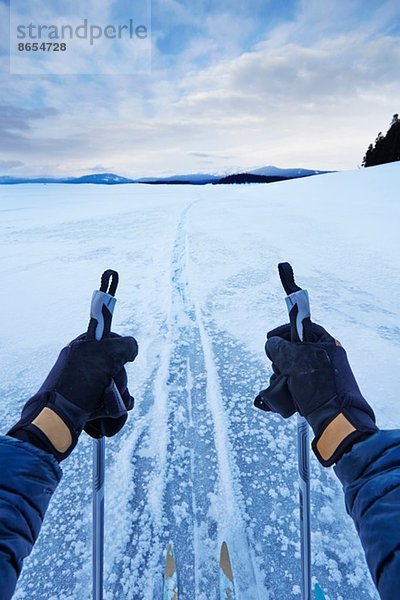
(234, 84)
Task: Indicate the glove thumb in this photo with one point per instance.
(276, 397)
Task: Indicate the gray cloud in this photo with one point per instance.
(95, 169)
(16, 118)
(16, 125)
(208, 155)
(10, 164)
(272, 78)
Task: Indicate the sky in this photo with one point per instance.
(233, 85)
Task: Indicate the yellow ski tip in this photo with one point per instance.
(170, 566)
(170, 591)
(225, 562)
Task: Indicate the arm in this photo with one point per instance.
(315, 379)
(28, 478)
(370, 475)
(72, 398)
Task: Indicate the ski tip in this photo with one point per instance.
(170, 566)
(170, 587)
(226, 584)
(225, 562)
(319, 594)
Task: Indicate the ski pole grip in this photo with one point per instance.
(298, 305)
(101, 312)
(102, 306)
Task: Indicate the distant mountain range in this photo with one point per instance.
(262, 175)
(100, 178)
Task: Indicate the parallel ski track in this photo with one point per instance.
(183, 486)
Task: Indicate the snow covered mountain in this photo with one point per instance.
(197, 463)
(101, 178)
(203, 178)
(98, 178)
(272, 171)
(191, 178)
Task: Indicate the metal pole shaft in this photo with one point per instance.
(303, 453)
(101, 312)
(298, 305)
(98, 517)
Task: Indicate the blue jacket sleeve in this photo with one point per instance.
(28, 478)
(370, 475)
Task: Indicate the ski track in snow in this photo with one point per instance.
(196, 464)
(187, 493)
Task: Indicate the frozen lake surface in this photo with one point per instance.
(199, 288)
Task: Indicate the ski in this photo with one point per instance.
(319, 594)
(170, 591)
(226, 585)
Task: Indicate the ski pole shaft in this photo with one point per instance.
(298, 306)
(303, 455)
(98, 517)
(101, 311)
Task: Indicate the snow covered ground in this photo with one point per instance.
(197, 464)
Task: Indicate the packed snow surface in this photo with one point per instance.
(198, 464)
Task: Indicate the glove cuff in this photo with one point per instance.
(36, 437)
(27, 430)
(72, 415)
(339, 436)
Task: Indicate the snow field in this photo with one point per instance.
(197, 464)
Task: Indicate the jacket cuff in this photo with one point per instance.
(35, 454)
(35, 436)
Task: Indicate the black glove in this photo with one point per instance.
(78, 389)
(315, 379)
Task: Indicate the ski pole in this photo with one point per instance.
(298, 305)
(101, 311)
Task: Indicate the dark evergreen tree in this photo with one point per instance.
(368, 156)
(386, 147)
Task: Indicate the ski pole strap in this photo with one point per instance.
(109, 282)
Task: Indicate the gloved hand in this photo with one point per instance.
(315, 379)
(78, 389)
